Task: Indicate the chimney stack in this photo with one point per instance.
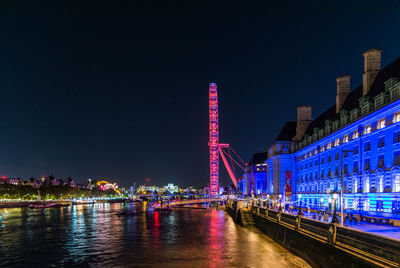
(343, 89)
(303, 120)
(372, 65)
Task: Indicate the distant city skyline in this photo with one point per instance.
(120, 90)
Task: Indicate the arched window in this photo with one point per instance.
(396, 182)
(379, 184)
(355, 185)
(366, 184)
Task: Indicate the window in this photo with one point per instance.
(396, 183)
(381, 123)
(337, 142)
(367, 164)
(367, 147)
(367, 129)
(381, 142)
(329, 173)
(355, 166)
(364, 109)
(345, 169)
(316, 163)
(337, 171)
(396, 137)
(322, 174)
(396, 117)
(306, 166)
(329, 145)
(355, 135)
(353, 115)
(346, 138)
(355, 150)
(311, 164)
(378, 101)
(355, 186)
(396, 207)
(329, 158)
(381, 161)
(379, 205)
(337, 156)
(396, 158)
(366, 185)
(322, 160)
(345, 154)
(379, 183)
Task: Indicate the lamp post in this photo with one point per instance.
(280, 202)
(334, 217)
(299, 213)
(341, 185)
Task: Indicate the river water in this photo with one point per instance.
(94, 236)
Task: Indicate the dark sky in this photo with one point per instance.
(119, 90)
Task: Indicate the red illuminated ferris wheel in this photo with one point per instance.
(216, 147)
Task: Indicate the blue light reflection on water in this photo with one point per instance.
(93, 235)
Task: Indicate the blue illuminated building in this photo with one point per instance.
(358, 139)
(254, 180)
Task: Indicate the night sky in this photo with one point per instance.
(119, 90)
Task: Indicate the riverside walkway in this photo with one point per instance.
(386, 230)
(378, 229)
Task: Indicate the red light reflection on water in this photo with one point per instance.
(216, 239)
(156, 219)
(156, 241)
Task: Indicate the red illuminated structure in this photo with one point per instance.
(216, 147)
(213, 140)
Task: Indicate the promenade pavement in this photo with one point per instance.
(378, 229)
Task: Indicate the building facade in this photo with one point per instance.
(254, 181)
(357, 139)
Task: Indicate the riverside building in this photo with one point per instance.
(358, 139)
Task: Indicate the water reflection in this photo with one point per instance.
(94, 235)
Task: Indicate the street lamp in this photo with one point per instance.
(280, 202)
(300, 213)
(341, 184)
(334, 217)
(267, 200)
